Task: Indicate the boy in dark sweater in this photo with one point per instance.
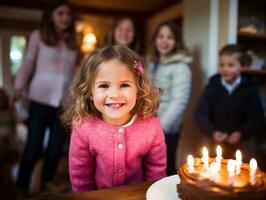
(230, 111)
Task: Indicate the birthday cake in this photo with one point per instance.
(199, 183)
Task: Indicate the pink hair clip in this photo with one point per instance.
(138, 67)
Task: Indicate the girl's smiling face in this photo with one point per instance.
(114, 93)
(62, 18)
(124, 32)
(165, 41)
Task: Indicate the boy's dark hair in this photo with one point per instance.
(244, 58)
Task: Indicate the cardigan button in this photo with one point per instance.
(120, 171)
(120, 146)
(120, 130)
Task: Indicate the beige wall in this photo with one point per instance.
(228, 17)
(208, 25)
(198, 28)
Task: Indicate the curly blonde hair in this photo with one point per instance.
(81, 105)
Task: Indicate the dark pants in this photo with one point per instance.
(171, 145)
(40, 117)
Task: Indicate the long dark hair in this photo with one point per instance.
(47, 28)
(177, 33)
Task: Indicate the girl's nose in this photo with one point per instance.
(114, 92)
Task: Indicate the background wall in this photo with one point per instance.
(207, 26)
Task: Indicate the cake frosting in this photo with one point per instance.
(198, 184)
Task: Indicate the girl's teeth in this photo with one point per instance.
(115, 105)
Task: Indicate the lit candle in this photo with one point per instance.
(231, 170)
(238, 162)
(213, 171)
(190, 162)
(219, 156)
(205, 158)
(253, 167)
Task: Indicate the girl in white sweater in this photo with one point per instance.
(168, 67)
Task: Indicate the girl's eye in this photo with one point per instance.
(103, 86)
(125, 85)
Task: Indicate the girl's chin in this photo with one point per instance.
(115, 120)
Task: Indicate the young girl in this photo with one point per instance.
(51, 57)
(124, 33)
(169, 68)
(230, 111)
(116, 138)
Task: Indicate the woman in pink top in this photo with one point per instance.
(52, 55)
(116, 137)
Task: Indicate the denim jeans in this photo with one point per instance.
(40, 117)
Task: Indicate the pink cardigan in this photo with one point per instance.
(53, 69)
(104, 156)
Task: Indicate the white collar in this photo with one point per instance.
(132, 120)
(231, 87)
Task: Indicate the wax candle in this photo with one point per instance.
(219, 156)
(214, 171)
(205, 158)
(190, 162)
(231, 170)
(252, 173)
(238, 162)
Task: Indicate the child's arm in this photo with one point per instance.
(27, 66)
(202, 113)
(81, 163)
(254, 115)
(155, 160)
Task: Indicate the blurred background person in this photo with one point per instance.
(230, 111)
(124, 32)
(47, 71)
(168, 67)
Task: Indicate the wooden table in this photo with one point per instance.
(127, 192)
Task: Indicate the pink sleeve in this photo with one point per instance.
(81, 163)
(155, 161)
(28, 63)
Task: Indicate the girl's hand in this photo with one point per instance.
(219, 137)
(234, 137)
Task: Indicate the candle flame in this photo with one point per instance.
(205, 153)
(253, 164)
(219, 151)
(190, 160)
(238, 156)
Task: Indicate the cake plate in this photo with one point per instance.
(164, 189)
